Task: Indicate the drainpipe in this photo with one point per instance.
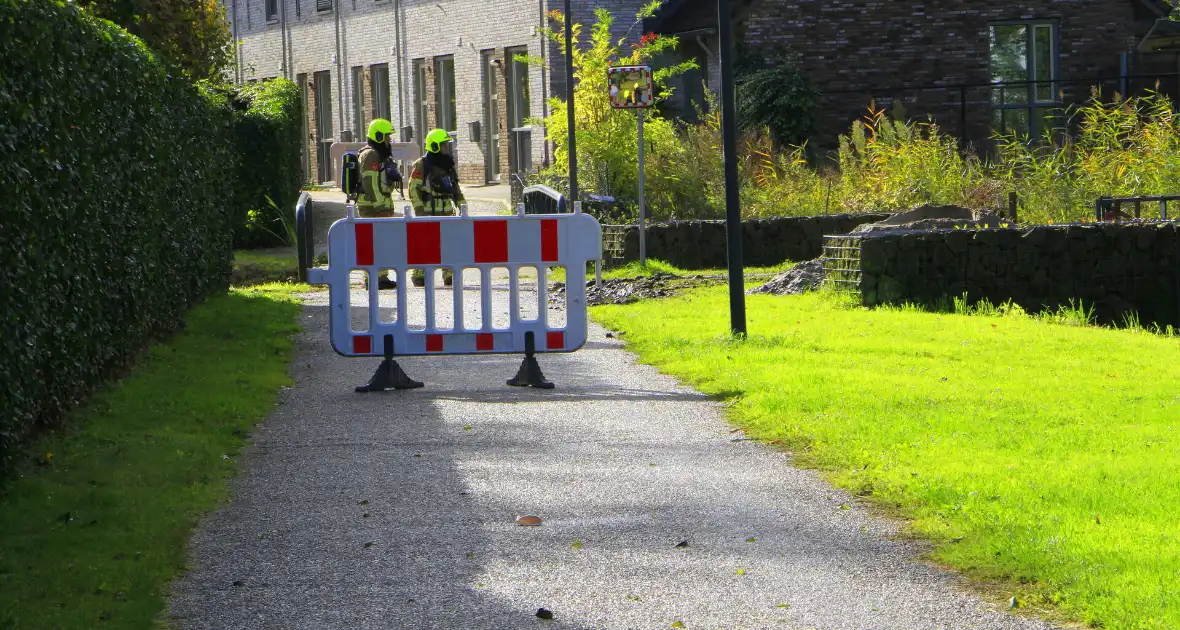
(339, 71)
(401, 94)
(544, 78)
(283, 34)
(237, 46)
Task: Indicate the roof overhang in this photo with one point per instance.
(1164, 36)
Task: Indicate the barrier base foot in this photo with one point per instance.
(530, 375)
(389, 376)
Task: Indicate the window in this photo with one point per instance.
(1024, 67)
(444, 93)
(491, 108)
(272, 10)
(517, 77)
(518, 87)
(358, 102)
(324, 5)
(421, 110)
(379, 80)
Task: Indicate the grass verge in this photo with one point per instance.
(94, 531)
(1040, 458)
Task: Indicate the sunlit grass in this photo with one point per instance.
(1041, 455)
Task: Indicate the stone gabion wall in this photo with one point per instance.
(702, 244)
(1116, 269)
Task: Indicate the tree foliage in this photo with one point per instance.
(192, 34)
(607, 137)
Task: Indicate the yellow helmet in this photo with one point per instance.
(380, 130)
(435, 139)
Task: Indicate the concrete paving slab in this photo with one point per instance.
(620, 462)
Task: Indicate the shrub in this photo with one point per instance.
(115, 218)
(779, 98)
(267, 129)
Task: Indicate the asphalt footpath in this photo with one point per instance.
(399, 510)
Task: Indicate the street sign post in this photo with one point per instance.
(632, 87)
(569, 104)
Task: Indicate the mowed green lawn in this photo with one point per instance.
(1042, 459)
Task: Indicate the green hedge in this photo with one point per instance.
(114, 216)
(268, 130)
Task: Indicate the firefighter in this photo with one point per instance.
(434, 186)
(377, 185)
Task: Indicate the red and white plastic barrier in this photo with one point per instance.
(403, 244)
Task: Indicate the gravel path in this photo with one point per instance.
(398, 510)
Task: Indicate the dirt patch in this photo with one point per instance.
(803, 277)
(629, 290)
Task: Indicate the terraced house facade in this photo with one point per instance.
(420, 63)
(975, 66)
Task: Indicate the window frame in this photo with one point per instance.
(1032, 104)
(445, 97)
(421, 102)
(322, 6)
(358, 102)
(379, 89)
(270, 10)
(518, 71)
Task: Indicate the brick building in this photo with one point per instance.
(941, 57)
(420, 63)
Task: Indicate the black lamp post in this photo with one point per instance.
(733, 203)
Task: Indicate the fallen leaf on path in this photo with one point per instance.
(751, 539)
(683, 543)
(544, 613)
(741, 571)
(529, 521)
(577, 544)
(678, 624)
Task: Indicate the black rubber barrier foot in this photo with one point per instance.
(530, 374)
(389, 374)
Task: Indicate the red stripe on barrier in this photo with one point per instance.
(364, 244)
(484, 342)
(491, 241)
(423, 243)
(434, 343)
(362, 345)
(554, 341)
(549, 240)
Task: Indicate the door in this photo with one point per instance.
(491, 125)
(301, 79)
(323, 124)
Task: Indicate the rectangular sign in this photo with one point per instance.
(631, 87)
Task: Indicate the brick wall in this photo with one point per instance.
(1114, 269)
(765, 242)
(875, 47)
